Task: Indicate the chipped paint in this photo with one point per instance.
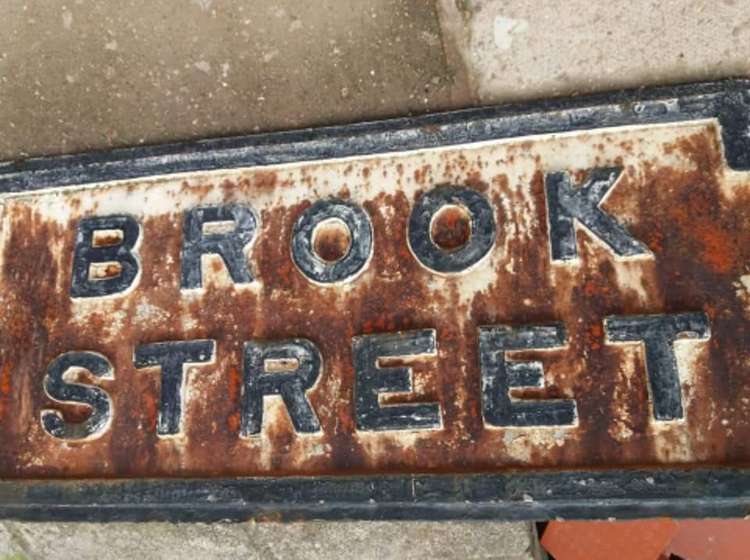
(672, 196)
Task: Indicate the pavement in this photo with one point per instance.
(80, 75)
(312, 540)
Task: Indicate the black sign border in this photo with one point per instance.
(511, 495)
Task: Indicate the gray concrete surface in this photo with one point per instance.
(264, 541)
(82, 74)
(522, 49)
(77, 75)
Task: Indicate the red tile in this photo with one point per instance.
(711, 539)
(608, 540)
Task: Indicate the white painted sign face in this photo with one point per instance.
(546, 301)
(576, 299)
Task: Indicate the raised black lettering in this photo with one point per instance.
(658, 333)
(499, 375)
(371, 381)
(481, 236)
(59, 389)
(350, 264)
(567, 203)
(114, 250)
(230, 246)
(172, 357)
(287, 368)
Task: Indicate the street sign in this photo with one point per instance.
(520, 312)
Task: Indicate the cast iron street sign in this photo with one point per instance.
(519, 312)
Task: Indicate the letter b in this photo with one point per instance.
(115, 249)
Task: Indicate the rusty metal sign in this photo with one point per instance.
(520, 312)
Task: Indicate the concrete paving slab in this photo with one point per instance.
(77, 75)
(248, 541)
(522, 49)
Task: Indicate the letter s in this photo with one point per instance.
(59, 389)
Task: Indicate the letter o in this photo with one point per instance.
(482, 233)
(359, 252)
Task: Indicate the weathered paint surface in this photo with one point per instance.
(676, 195)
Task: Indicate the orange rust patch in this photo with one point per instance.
(718, 250)
(451, 228)
(5, 377)
(104, 239)
(331, 241)
(701, 245)
(265, 180)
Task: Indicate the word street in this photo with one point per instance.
(290, 368)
